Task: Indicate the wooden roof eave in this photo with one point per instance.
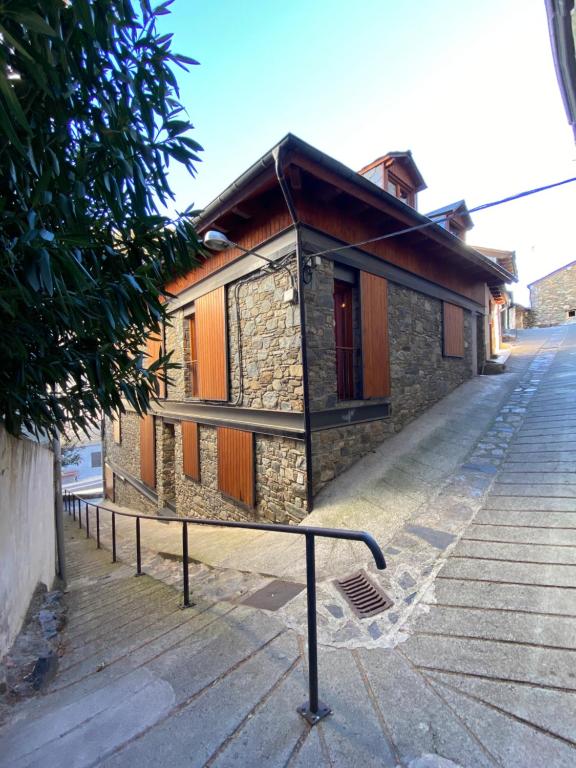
(262, 175)
(408, 217)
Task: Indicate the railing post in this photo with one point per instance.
(87, 521)
(315, 710)
(113, 537)
(79, 514)
(97, 527)
(73, 507)
(185, 581)
(138, 553)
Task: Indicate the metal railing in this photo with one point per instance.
(314, 710)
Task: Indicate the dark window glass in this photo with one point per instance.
(344, 333)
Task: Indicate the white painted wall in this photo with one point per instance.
(27, 540)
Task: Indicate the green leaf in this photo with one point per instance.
(31, 21)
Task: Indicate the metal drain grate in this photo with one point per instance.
(365, 597)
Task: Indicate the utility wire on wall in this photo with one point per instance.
(431, 223)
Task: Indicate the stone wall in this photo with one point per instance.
(270, 343)
(553, 297)
(420, 374)
(176, 342)
(127, 453)
(126, 495)
(269, 331)
(126, 457)
(321, 353)
(280, 468)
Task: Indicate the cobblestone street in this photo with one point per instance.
(474, 505)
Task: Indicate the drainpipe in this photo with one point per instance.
(301, 304)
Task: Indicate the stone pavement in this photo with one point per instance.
(477, 668)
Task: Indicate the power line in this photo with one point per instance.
(431, 223)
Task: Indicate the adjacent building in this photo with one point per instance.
(336, 316)
(553, 297)
(500, 316)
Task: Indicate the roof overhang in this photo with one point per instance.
(459, 208)
(295, 151)
(562, 29)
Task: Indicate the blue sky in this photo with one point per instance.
(469, 87)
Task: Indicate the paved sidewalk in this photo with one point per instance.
(481, 673)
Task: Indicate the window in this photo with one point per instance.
(236, 465)
(453, 330)
(572, 313)
(375, 342)
(190, 450)
(400, 190)
(344, 336)
(96, 459)
(147, 451)
(193, 361)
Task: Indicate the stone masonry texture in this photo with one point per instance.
(553, 297)
(271, 365)
(420, 374)
(271, 362)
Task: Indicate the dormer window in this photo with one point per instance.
(397, 174)
(395, 187)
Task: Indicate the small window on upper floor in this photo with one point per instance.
(572, 313)
(395, 187)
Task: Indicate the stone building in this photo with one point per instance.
(318, 333)
(553, 297)
(499, 317)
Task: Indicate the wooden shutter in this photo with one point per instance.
(116, 429)
(375, 343)
(211, 345)
(108, 483)
(153, 353)
(453, 330)
(236, 464)
(190, 450)
(147, 451)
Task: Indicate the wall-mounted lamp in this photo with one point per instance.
(218, 241)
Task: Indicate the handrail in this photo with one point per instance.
(314, 710)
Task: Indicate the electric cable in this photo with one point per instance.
(431, 223)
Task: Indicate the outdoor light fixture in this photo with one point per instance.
(218, 241)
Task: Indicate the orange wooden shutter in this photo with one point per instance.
(153, 352)
(236, 464)
(375, 343)
(211, 343)
(453, 330)
(108, 483)
(147, 451)
(190, 450)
